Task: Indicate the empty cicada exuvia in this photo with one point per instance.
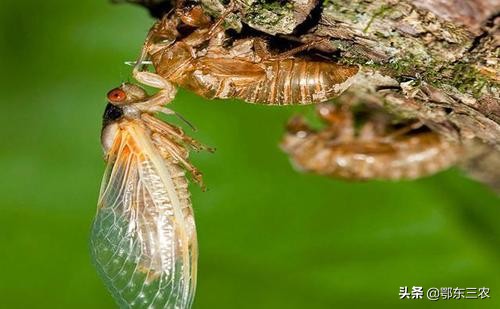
(143, 238)
(375, 150)
(204, 63)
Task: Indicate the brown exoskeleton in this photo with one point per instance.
(246, 69)
(377, 150)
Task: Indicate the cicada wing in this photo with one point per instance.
(143, 243)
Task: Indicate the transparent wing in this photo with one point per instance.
(143, 238)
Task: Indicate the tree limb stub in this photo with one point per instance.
(425, 59)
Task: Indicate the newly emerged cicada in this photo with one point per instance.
(143, 239)
(203, 62)
(374, 149)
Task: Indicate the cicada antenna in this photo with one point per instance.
(186, 121)
(168, 111)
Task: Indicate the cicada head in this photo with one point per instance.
(126, 94)
(122, 103)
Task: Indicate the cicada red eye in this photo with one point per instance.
(117, 95)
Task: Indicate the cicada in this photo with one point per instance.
(143, 238)
(206, 64)
(374, 149)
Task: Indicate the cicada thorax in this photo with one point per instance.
(340, 151)
(174, 63)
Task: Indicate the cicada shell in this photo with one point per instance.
(143, 239)
(376, 151)
(204, 63)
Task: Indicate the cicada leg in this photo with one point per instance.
(202, 35)
(214, 28)
(178, 154)
(165, 28)
(167, 90)
(164, 96)
(174, 132)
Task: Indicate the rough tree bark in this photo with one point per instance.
(433, 60)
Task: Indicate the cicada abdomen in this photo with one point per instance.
(299, 81)
(143, 238)
(271, 82)
(373, 152)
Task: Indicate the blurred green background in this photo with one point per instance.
(269, 237)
